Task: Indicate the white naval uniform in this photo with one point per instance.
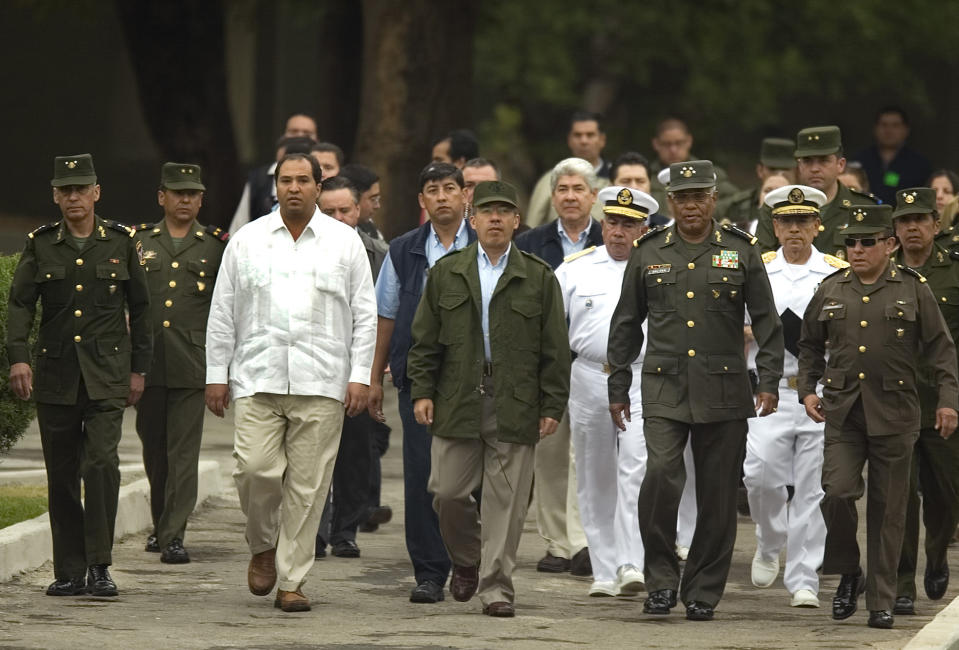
(610, 464)
(786, 447)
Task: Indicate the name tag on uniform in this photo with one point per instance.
(726, 260)
(656, 269)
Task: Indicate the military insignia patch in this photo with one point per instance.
(200, 286)
(796, 196)
(149, 255)
(726, 259)
(625, 197)
(910, 198)
(859, 214)
(656, 269)
(687, 171)
(72, 164)
(140, 253)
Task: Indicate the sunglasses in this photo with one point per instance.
(866, 242)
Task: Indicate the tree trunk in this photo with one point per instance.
(177, 50)
(417, 84)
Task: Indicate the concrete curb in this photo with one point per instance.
(941, 633)
(27, 545)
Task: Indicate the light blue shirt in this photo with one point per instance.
(570, 247)
(489, 275)
(388, 283)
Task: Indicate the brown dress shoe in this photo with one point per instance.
(291, 601)
(464, 582)
(261, 574)
(501, 609)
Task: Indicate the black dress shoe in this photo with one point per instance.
(846, 601)
(427, 592)
(99, 582)
(551, 564)
(72, 587)
(698, 611)
(152, 545)
(500, 609)
(380, 515)
(881, 618)
(580, 565)
(659, 602)
(346, 548)
(905, 606)
(936, 582)
(174, 553)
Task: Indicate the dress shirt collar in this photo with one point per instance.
(434, 239)
(276, 222)
(483, 259)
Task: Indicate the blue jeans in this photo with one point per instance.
(423, 540)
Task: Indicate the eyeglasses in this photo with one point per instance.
(501, 210)
(689, 197)
(867, 242)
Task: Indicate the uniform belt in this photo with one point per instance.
(487, 368)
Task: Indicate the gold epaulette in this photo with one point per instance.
(652, 232)
(768, 256)
(739, 232)
(835, 262)
(116, 225)
(43, 228)
(142, 226)
(579, 254)
(218, 232)
(911, 271)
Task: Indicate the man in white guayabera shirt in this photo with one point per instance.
(293, 327)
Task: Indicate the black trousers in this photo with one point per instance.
(350, 489)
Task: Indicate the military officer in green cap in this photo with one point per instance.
(935, 458)
(820, 161)
(181, 258)
(87, 274)
(742, 208)
(692, 282)
(883, 327)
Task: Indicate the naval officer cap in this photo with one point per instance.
(627, 202)
(795, 200)
(181, 176)
(915, 200)
(691, 175)
(73, 170)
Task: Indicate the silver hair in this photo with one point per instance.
(573, 167)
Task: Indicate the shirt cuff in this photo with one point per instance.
(360, 375)
(217, 375)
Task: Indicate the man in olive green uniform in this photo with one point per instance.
(87, 273)
(742, 208)
(879, 319)
(490, 368)
(935, 459)
(820, 161)
(181, 258)
(693, 281)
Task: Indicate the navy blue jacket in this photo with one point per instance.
(544, 242)
(408, 255)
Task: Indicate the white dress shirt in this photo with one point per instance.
(292, 317)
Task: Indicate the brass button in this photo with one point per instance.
(900, 314)
(175, 265)
(829, 381)
(168, 303)
(659, 280)
(79, 261)
(659, 369)
(863, 323)
(822, 228)
(113, 274)
(691, 266)
(202, 274)
(690, 294)
(78, 313)
(830, 314)
(77, 338)
(862, 348)
(50, 276)
(725, 279)
(900, 382)
(43, 351)
(172, 284)
(944, 299)
(79, 287)
(690, 323)
(725, 367)
(692, 353)
(862, 375)
(865, 298)
(166, 323)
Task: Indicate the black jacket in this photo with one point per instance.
(543, 241)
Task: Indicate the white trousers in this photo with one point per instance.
(610, 466)
(285, 447)
(786, 448)
(554, 491)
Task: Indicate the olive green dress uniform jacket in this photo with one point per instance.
(695, 370)
(83, 328)
(529, 343)
(181, 287)
(835, 215)
(876, 333)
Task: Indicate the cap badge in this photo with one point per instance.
(625, 197)
(909, 198)
(846, 203)
(796, 195)
(71, 164)
(860, 214)
(687, 171)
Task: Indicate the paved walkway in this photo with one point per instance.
(359, 603)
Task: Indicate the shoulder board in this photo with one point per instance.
(865, 195)
(945, 232)
(740, 233)
(768, 256)
(911, 271)
(140, 227)
(843, 272)
(835, 262)
(652, 232)
(126, 230)
(218, 232)
(44, 228)
(579, 254)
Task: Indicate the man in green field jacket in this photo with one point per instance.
(489, 313)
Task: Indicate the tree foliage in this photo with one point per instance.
(15, 413)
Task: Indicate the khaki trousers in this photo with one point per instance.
(285, 447)
(505, 472)
(557, 504)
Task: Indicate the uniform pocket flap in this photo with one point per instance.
(201, 268)
(660, 365)
(51, 350)
(901, 311)
(527, 308)
(832, 312)
(47, 273)
(110, 271)
(898, 383)
(724, 364)
(724, 276)
(662, 277)
(833, 378)
(198, 337)
(452, 300)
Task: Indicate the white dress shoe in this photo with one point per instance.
(804, 598)
(629, 580)
(682, 552)
(764, 572)
(600, 589)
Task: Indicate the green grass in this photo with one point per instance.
(21, 502)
